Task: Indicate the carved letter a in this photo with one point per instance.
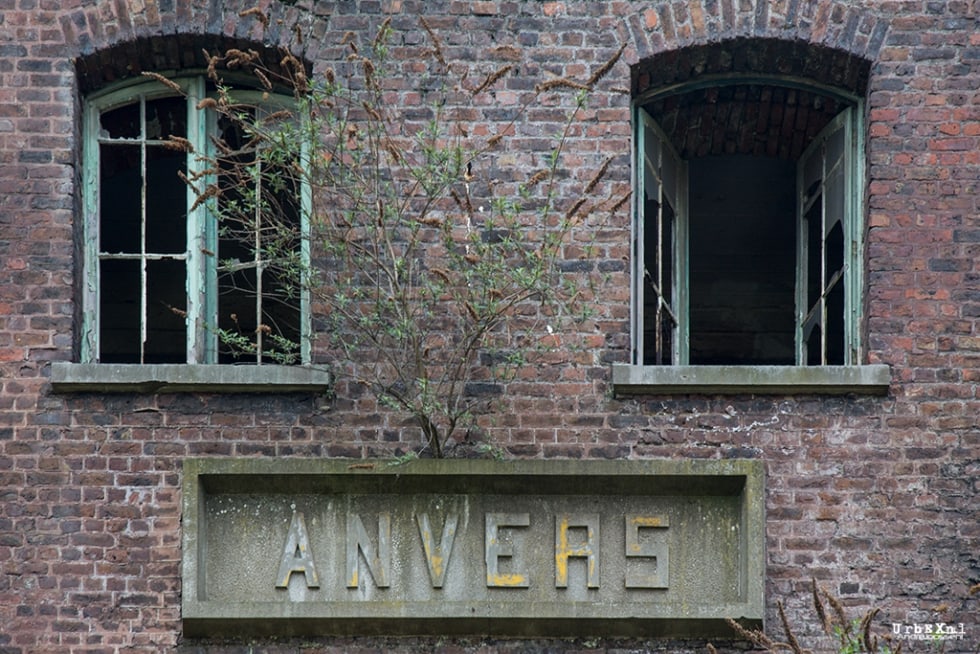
(296, 555)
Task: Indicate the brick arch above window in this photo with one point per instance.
(855, 26)
(102, 26)
(820, 64)
(171, 54)
(756, 119)
(758, 96)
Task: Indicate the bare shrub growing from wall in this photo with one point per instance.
(435, 273)
(849, 635)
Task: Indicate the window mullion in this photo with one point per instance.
(854, 236)
(90, 243)
(639, 235)
(257, 261)
(681, 273)
(306, 208)
(143, 272)
(201, 238)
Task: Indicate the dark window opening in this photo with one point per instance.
(659, 321)
(259, 249)
(742, 261)
(747, 235)
(119, 307)
(142, 233)
(166, 300)
(170, 267)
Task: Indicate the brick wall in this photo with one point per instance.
(875, 497)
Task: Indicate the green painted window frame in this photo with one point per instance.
(202, 227)
(656, 163)
(201, 369)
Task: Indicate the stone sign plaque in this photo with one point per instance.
(515, 548)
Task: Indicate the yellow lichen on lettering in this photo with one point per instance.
(507, 580)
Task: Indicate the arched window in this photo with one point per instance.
(171, 279)
(748, 232)
(750, 258)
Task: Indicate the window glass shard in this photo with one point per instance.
(651, 145)
(166, 117)
(669, 174)
(835, 147)
(813, 225)
(834, 330)
(651, 183)
(835, 198)
(812, 174)
(834, 255)
(814, 345)
(121, 123)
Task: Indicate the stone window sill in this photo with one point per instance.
(182, 378)
(758, 380)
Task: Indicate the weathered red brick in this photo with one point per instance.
(854, 485)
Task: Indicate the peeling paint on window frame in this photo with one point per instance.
(645, 126)
(201, 285)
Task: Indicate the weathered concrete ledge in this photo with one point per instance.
(768, 380)
(179, 378)
(657, 548)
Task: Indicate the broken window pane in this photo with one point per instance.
(122, 123)
(166, 201)
(834, 254)
(660, 190)
(814, 252)
(149, 285)
(834, 326)
(120, 204)
(814, 346)
(659, 322)
(119, 310)
(764, 257)
(166, 117)
(258, 251)
(166, 308)
(835, 198)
